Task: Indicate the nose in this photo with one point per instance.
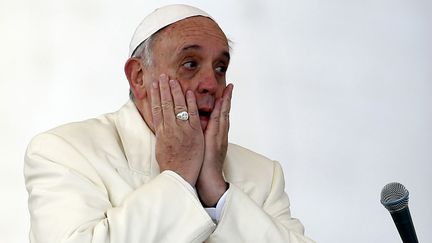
(208, 83)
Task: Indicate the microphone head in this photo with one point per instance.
(394, 196)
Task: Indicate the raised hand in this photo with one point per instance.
(211, 184)
(179, 144)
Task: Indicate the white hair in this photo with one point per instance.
(145, 53)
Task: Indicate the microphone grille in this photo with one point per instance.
(394, 196)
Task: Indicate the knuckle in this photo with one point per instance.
(167, 104)
(225, 115)
(180, 108)
(216, 118)
(193, 113)
(156, 109)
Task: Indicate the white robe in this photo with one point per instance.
(98, 181)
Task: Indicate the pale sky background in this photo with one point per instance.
(338, 91)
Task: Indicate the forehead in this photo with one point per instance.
(193, 29)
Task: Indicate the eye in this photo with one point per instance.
(221, 69)
(190, 65)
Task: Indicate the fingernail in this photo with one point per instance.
(154, 84)
(172, 82)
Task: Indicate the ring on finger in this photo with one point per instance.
(184, 116)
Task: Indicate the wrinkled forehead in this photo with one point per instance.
(189, 37)
(194, 27)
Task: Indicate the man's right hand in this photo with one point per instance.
(179, 144)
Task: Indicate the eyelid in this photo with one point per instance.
(189, 64)
(223, 65)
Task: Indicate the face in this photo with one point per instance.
(195, 52)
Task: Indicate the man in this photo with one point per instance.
(160, 169)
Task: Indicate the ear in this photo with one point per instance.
(135, 74)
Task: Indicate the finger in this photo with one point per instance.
(192, 108)
(166, 100)
(178, 97)
(226, 102)
(225, 109)
(156, 108)
(213, 124)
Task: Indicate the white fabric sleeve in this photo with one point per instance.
(215, 213)
(243, 220)
(69, 203)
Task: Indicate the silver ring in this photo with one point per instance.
(184, 116)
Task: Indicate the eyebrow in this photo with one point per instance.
(226, 54)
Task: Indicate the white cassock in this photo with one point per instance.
(98, 181)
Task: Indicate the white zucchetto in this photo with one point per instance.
(160, 18)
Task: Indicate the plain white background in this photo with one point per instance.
(338, 91)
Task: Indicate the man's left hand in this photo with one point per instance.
(211, 184)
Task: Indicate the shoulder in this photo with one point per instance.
(75, 140)
(79, 147)
(85, 132)
(242, 157)
(243, 164)
(253, 173)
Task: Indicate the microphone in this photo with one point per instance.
(394, 197)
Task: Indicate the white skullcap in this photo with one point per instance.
(160, 18)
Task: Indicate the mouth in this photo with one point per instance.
(204, 115)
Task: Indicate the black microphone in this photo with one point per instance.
(394, 197)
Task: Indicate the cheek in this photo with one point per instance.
(157, 69)
(184, 74)
(183, 84)
(220, 90)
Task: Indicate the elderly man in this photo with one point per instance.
(160, 169)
